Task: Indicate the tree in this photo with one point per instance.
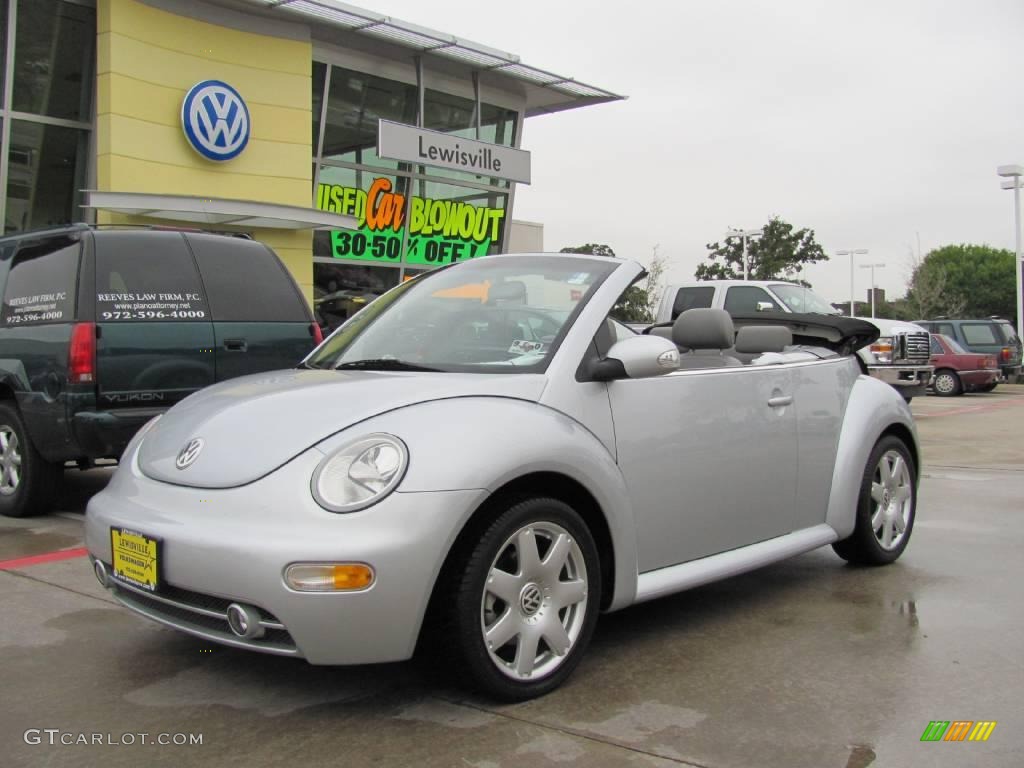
(639, 303)
(963, 280)
(778, 254)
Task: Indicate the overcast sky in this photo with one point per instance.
(870, 122)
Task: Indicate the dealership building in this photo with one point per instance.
(269, 117)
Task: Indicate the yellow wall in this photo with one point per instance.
(147, 59)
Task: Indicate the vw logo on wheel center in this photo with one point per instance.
(215, 120)
(189, 453)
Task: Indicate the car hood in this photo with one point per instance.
(252, 425)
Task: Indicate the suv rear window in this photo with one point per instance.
(1009, 334)
(979, 333)
(41, 283)
(692, 298)
(246, 282)
(147, 276)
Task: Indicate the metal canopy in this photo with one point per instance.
(205, 210)
(434, 43)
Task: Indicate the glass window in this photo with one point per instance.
(801, 299)
(378, 200)
(936, 347)
(450, 223)
(1008, 331)
(41, 283)
(744, 300)
(45, 171)
(341, 290)
(3, 50)
(692, 298)
(449, 114)
(246, 282)
(485, 316)
(319, 75)
(979, 333)
(148, 276)
(355, 102)
(946, 329)
(53, 56)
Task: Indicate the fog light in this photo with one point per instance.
(101, 573)
(244, 621)
(328, 577)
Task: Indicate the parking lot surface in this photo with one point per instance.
(805, 663)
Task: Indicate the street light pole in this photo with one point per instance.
(1013, 174)
(872, 268)
(744, 234)
(851, 253)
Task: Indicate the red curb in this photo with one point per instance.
(48, 557)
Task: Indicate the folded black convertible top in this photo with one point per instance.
(844, 335)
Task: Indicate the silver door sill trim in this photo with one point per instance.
(676, 578)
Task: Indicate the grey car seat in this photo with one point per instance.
(753, 341)
(705, 333)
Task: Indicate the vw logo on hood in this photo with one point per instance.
(215, 120)
(188, 454)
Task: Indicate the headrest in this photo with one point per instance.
(752, 339)
(703, 329)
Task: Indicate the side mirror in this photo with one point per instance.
(765, 306)
(638, 357)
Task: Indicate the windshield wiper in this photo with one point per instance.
(383, 364)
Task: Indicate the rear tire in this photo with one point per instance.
(886, 507)
(28, 483)
(525, 602)
(947, 383)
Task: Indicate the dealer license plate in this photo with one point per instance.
(136, 558)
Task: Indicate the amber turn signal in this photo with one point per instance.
(328, 577)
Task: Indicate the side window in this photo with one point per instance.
(979, 333)
(936, 347)
(743, 300)
(246, 282)
(692, 298)
(147, 276)
(946, 329)
(41, 283)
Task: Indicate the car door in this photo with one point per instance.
(260, 320)
(709, 457)
(154, 337)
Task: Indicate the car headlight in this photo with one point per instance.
(360, 473)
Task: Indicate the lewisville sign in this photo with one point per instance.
(409, 144)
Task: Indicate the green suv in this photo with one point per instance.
(989, 336)
(102, 329)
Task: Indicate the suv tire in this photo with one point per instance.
(28, 482)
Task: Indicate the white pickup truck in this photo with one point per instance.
(899, 357)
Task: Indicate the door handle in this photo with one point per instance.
(235, 345)
(781, 400)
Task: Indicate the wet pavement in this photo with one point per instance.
(806, 663)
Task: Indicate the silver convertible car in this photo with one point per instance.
(484, 460)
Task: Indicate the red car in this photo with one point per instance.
(958, 371)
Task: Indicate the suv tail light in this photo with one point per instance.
(316, 333)
(82, 356)
(1004, 354)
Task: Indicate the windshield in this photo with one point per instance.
(489, 315)
(800, 299)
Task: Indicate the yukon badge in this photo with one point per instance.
(189, 453)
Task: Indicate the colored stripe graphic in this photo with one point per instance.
(49, 557)
(983, 730)
(935, 730)
(958, 730)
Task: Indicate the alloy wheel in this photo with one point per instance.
(945, 384)
(892, 497)
(10, 461)
(534, 601)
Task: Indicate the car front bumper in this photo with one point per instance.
(909, 380)
(232, 545)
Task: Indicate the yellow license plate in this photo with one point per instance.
(136, 558)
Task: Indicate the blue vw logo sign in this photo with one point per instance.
(215, 120)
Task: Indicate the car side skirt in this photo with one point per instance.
(676, 578)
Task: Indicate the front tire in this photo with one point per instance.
(27, 481)
(947, 384)
(526, 600)
(886, 506)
